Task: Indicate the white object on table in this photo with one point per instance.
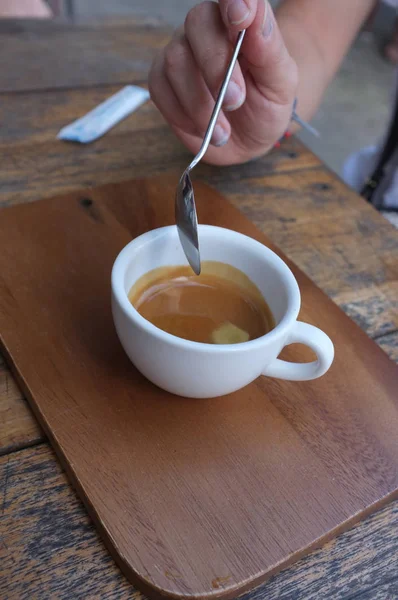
(104, 116)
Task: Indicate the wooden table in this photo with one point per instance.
(52, 73)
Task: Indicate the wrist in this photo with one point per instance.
(295, 122)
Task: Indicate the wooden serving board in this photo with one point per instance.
(194, 498)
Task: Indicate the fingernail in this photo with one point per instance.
(237, 11)
(268, 22)
(233, 96)
(220, 136)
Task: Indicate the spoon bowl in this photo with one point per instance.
(187, 221)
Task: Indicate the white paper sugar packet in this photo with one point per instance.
(104, 116)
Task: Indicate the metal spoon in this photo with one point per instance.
(185, 210)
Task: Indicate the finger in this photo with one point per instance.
(216, 156)
(271, 82)
(238, 14)
(191, 90)
(165, 99)
(267, 58)
(212, 52)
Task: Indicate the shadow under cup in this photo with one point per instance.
(195, 369)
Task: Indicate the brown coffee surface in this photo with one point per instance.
(221, 305)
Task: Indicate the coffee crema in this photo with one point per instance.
(220, 306)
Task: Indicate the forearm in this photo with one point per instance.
(318, 35)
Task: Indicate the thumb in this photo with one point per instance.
(266, 57)
(271, 66)
(271, 79)
(238, 14)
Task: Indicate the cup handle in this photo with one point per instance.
(314, 338)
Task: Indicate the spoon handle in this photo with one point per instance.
(220, 99)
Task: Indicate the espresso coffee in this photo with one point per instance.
(220, 306)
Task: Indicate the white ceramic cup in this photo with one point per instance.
(200, 370)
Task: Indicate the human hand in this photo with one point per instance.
(186, 76)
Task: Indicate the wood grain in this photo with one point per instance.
(50, 549)
(80, 55)
(18, 427)
(32, 171)
(33, 118)
(80, 23)
(36, 118)
(389, 343)
(337, 465)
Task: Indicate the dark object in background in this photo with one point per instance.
(378, 182)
